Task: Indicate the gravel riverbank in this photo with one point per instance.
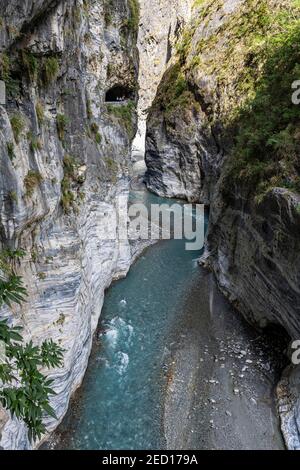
(221, 378)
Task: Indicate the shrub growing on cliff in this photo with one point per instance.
(12, 290)
(133, 21)
(4, 67)
(61, 122)
(67, 199)
(124, 113)
(30, 65)
(18, 125)
(174, 94)
(108, 7)
(31, 181)
(11, 285)
(95, 133)
(12, 84)
(27, 397)
(39, 109)
(10, 150)
(253, 58)
(51, 70)
(25, 391)
(267, 145)
(70, 178)
(34, 141)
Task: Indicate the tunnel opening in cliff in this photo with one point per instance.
(118, 93)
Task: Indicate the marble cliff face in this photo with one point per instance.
(161, 24)
(66, 169)
(253, 243)
(65, 149)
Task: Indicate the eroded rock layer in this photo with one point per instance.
(65, 159)
(161, 25)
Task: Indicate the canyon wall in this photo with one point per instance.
(65, 149)
(65, 159)
(161, 24)
(223, 131)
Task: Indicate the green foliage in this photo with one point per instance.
(12, 290)
(254, 57)
(13, 197)
(69, 166)
(108, 7)
(26, 65)
(77, 14)
(31, 181)
(10, 150)
(61, 122)
(51, 70)
(34, 256)
(229, 53)
(18, 125)
(133, 21)
(9, 256)
(107, 17)
(24, 391)
(174, 94)
(39, 109)
(89, 109)
(61, 319)
(98, 138)
(4, 67)
(70, 178)
(111, 164)
(8, 334)
(35, 142)
(11, 286)
(52, 354)
(12, 84)
(267, 128)
(183, 46)
(124, 114)
(13, 87)
(86, 6)
(95, 133)
(94, 127)
(198, 3)
(29, 400)
(173, 86)
(67, 199)
(30, 65)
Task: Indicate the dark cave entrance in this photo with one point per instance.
(118, 94)
(276, 340)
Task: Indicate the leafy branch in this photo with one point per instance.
(24, 390)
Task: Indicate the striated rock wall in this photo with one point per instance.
(253, 237)
(161, 24)
(65, 159)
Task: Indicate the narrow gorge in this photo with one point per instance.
(223, 131)
(193, 101)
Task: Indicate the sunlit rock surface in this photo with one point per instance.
(60, 221)
(161, 25)
(252, 248)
